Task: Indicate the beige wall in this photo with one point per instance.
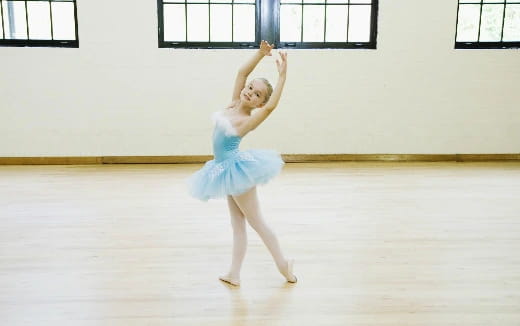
(119, 94)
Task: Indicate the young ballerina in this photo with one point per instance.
(234, 174)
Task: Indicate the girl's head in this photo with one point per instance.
(257, 92)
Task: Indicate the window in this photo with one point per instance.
(488, 24)
(286, 23)
(38, 23)
(328, 23)
(208, 23)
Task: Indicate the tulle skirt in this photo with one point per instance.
(235, 175)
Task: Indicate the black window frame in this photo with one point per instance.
(484, 44)
(268, 28)
(36, 42)
(207, 45)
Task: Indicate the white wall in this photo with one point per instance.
(119, 94)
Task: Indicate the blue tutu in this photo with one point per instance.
(232, 172)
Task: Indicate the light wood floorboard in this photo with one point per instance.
(375, 244)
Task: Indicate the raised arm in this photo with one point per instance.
(277, 91)
(262, 113)
(248, 67)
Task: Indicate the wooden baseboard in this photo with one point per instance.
(401, 157)
(289, 158)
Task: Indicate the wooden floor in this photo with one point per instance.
(375, 244)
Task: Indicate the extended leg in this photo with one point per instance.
(248, 204)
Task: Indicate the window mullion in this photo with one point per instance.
(480, 20)
(325, 23)
(2, 13)
(50, 16)
(503, 22)
(209, 22)
(301, 31)
(186, 21)
(348, 16)
(26, 20)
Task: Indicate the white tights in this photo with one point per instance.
(242, 207)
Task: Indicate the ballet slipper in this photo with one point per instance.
(229, 280)
(291, 278)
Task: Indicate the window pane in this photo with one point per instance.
(244, 1)
(491, 23)
(336, 24)
(290, 23)
(244, 23)
(39, 14)
(292, 1)
(360, 1)
(174, 23)
(226, 1)
(220, 23)
(16, 27)
(313, 1)
(313, 23)
(198, 25)
(467, 27)
(512, 23)
(493, 1)
(469, 1)
(63, 23)
(359, 24)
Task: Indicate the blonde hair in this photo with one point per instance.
(269, 89)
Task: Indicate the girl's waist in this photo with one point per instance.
(224, 155)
